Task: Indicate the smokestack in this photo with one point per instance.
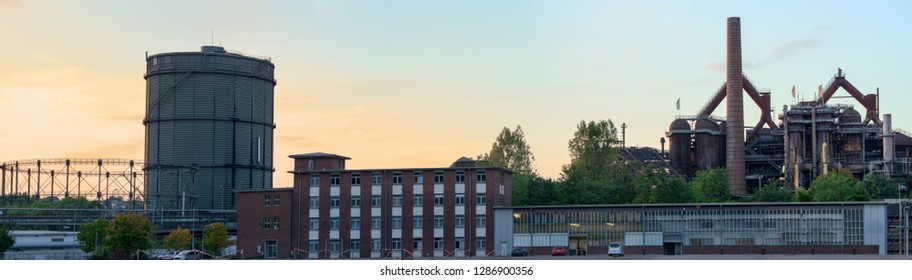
(888, 137)
(735, 117)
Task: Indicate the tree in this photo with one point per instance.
(711, 186)
(92, 235)
(880, 186)
(541, 191)
(593, 149)
(838, 185)
(6, 241)
(511, 151)
(772, 193)
(127, 234)
(215, 238)
(178, 239)
(653, 186)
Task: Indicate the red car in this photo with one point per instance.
(559, 251)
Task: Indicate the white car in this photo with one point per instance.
(166, 255)
(190, 255)
(615, 249)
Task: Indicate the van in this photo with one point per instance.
(615, 249)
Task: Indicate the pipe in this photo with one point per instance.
(735, 110)
(888, 148)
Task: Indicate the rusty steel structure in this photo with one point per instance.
(811, 137)
(116, 182)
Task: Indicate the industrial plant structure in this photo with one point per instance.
(116, 182)
(812, 137)
(209, 127)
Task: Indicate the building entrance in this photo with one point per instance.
(577, 245)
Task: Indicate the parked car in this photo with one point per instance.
(191, 255)
(559, 251)
(165, 255)
(615, 249)
(520, 252)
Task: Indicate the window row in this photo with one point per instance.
(376, 179)
(377, 201)
(417, 222)
(334, 245)
(272, 199)
(270, 223)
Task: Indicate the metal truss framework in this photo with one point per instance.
(95, 179)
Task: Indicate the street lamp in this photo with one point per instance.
(905, 213)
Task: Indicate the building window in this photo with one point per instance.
(314, 246)
(266, 223)
(438, 178)
(355, 223)
(438, 221)
(460, 177)
(334, 202)
(397, 179)
(460, 199)
(438, 243)
(438, 200)
(375, 201)
(334, 223)
(375, 222)
(275, 223)
(397, 200)
(275, 200)
(266, 200)
(334, 245)
(480, 221)
(419, 177)
(314, 223)
(356, 180)
(460, 221)
(355, 244)
(397, 243)
(272, 249)
(334, 180)
(480, 177)
(416, 244)
(375, 244)
(397, 222)
(356, 201)
(480, 243)
(480, 199)
(314, 202)
(417, 200)
(314, 181)
(417, 222)
(375, 179)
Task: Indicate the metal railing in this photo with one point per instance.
(266, 58)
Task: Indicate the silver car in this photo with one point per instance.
(615, 249)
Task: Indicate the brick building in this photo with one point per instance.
(332, 212)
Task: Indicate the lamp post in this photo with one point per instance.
(905, 213)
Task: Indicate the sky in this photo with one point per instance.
(403, 84)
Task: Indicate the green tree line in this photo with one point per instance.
(596, 175)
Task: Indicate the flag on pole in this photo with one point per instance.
(820, 91)
(793, 91)
(679, 103)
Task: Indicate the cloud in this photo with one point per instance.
(781, 52)
(792, 47)
(9, 4)
(717, 67)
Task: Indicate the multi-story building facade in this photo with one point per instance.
(332, 212)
